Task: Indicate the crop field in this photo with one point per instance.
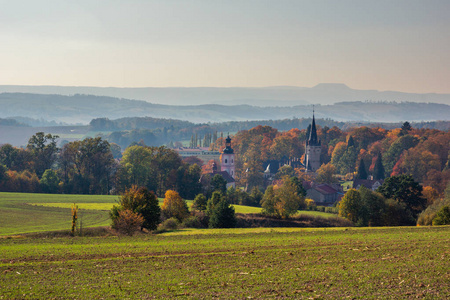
(26, 213)
(357, 263)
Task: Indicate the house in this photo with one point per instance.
(369, 184)
(322, 194)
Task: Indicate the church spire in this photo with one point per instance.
(312, 140)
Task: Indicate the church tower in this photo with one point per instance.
(313, 149)
(227, 158)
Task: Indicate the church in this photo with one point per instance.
(227, 167)
(313, 149)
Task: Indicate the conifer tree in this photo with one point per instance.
(362, 174)
(350, 142)
(378, 170)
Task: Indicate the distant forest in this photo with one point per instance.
(81, 109)
(156, 132)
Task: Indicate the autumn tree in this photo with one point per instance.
(392, 155)
(282, 201)
(127, 222)
(174, 206)
(326, 174)
(140, 201)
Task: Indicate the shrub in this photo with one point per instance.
(332, 210)
(128, 222)
(426, 217)
(443, 216)
(169, 224)
(310, 204)
(192, 222)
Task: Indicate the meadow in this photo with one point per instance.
(357, 263)
(28, 213)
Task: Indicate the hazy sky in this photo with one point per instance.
(375, 44)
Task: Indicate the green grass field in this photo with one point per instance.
(27, 213)
(356, 263)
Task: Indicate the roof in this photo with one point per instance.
(312, 140)
(228, 149)
(325, 189)
(224, 174)
(366, 183)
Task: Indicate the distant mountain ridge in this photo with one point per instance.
(81, 109)
(323, 93)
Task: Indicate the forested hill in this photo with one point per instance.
(83, 108)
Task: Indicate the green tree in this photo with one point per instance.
(299, 186)
(282, 201)
(222, 215)
(212, 202)
(404, 189)
(373, 208)
(378, 170)
(392, 155)
(140, 201)
(350, 206)
(268, 201)
(406, 127)
(43, 150)
(49, 182)
(200, 202)
(350, 142)
(219, 184)
(255, 196)
(116, 150)
(284, 171)
(8, 156)
(362, 173)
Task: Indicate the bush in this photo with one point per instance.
(426, 217)
(169, 224)
(443, 216)
(128, 222)
(332, 210)
(310, 204)
(192, 222)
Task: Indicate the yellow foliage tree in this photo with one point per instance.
(174, 206)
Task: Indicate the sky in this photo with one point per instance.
(401, 45)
